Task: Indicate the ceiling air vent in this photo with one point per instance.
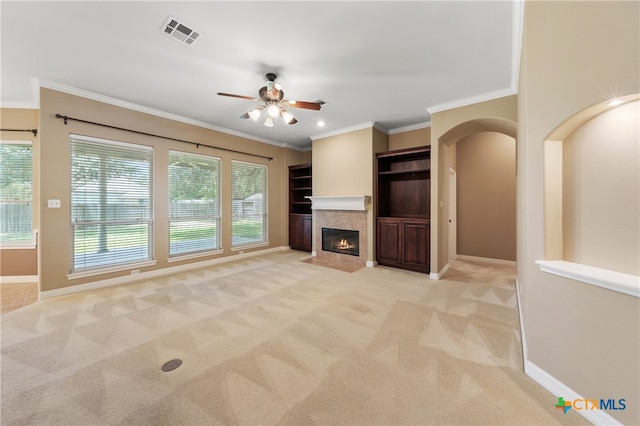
(179, 31)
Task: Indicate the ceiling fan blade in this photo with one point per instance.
(238, 96)
(305, 105)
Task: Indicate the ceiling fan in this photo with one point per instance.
(274, 103)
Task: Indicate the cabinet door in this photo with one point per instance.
(415, 244)
(306, 233)
(388, 246)
(295, 231)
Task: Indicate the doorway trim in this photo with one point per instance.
(453, 214)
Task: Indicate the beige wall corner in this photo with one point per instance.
(410, 139)
(574, 55)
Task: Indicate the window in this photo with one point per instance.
(249, 213)
(16, 201)
(194, 206)
(111, 203)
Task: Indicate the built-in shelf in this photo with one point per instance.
(402, 172)
(403, 208)
(300, 219)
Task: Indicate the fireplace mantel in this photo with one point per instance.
(339, 202)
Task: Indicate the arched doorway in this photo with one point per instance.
(481, 153)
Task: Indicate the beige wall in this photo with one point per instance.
(23, 261)
(601, 183)
(18, 262)
(307, 156)
(574, 55)
(344, 165)
(410, 139)
(54, 172)
(498, 115)
(486, 196)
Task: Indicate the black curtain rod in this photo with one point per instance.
(34, 131)
(66, 118)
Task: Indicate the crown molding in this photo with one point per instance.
(33, 104)
(367, 125)
(19, 105)
(472, 100)
(294, 147)
(410, 128)
(379, 127)
(151, 111)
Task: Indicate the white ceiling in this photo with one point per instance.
(372, 62)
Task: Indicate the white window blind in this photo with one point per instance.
(111, 203)
(194, 203)
(16, 194)
(249, 212)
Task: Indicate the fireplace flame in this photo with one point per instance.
(343, 244)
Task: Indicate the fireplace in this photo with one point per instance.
(340, 213)
(341, 241)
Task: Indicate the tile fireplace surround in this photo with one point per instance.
(340, 212)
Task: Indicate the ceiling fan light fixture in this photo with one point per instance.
(255, 114)
(274, 103)
(288, 118)
(273, 111)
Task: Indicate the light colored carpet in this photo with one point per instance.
(275, 340)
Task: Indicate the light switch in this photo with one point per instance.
(54, 204)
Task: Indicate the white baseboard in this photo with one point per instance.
(438, 275)
(550, 383)
(152, 274)
(486, 260)
(371, 263)
(19, 279)
(557, 388)
(523, 336)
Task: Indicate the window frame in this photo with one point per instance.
(32, 243)
(217, 217)
(265, 208)
(79, 272)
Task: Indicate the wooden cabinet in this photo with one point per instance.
(403, 195)
(300, 228)
(403, 243)
(300, 232)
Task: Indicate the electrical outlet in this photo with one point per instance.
(135, 271)
(53, 204)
